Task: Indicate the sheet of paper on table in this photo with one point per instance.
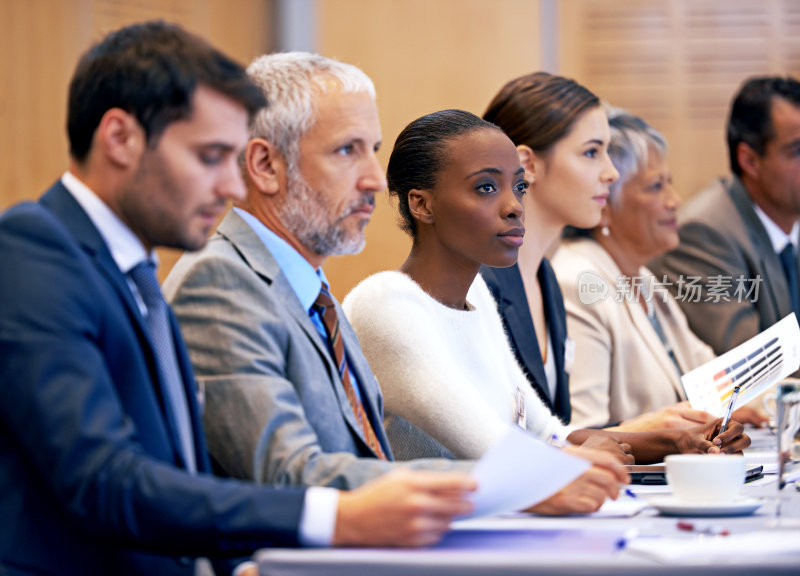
(520, 470)
(755, 366)
(720, 549)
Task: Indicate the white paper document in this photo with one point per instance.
(718, 549)
(519, 471)
(755, 366)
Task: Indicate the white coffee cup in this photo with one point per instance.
(705, 477)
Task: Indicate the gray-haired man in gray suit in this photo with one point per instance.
(739, 237)
(277, 407)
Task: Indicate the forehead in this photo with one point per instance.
(479, 149)
(341, 114)
(785, 120)
(591, 125)
(215, 118)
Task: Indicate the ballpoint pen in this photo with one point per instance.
(730, 411)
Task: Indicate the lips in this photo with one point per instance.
(601, 198)
(513, 237)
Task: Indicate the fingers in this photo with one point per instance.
(698, 416)
(442, 482)
(733, 439)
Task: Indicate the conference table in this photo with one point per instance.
(628, 537)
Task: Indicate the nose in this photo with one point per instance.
(373, 178)
(512, 206)
(673, 200)
(230, 184)
(610, 173)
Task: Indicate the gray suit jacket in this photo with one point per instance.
(275, 408)
(721, 235)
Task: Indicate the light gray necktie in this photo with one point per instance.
(144, 276)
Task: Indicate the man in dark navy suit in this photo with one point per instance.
(103, 463)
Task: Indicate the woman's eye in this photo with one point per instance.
(521, 188)
(345, 150)
(486, 188)
(591, 153)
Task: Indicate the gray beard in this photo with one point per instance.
(307, 216)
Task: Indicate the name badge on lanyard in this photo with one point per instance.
(520, 401)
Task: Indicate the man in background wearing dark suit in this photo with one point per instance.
(736, 268)
(103, 463)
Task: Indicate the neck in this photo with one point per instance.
(442, 278)
(783, 218)
(541, 232)
(626, 260)
(271, 220)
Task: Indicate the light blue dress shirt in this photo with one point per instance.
(303, 278)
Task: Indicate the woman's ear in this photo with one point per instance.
(420, 205)
(527, 158)
(265, 167)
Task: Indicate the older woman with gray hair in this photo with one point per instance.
(632, 339)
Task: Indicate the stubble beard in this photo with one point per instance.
(307, 215)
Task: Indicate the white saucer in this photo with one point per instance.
(671, 506)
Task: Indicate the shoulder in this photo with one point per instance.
(382, 290)
(711, 207)
(575, 257)
(216, 266)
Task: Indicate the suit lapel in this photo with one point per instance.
(513, 304)
(645, 331)
(557, 323)
(59, 201)
(773, 285)
(260, 260)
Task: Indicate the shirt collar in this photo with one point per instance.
(777, 237)
(126, 249)
(303, 278)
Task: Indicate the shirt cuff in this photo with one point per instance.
(318, 519)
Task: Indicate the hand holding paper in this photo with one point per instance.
(520, 471)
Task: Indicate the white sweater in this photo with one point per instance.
(450, 373)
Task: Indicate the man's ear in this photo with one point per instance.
(748, 159)
(264, 165)
(120, 137)
(527, 158)
(420, 205)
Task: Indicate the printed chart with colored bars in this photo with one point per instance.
(754, 367)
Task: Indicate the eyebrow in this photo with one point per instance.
(521, 170)
(595, 141)
(793, 144)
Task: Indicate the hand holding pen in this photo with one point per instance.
(728, 413)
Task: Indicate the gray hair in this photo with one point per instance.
(290, 80)
(631, 139)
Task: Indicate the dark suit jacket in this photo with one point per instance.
(721, 235)
(509, 293)
(90, 480)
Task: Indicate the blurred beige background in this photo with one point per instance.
(675, 62)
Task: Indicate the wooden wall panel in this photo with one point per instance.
(677, 63)
(41, 41)
(423, 56)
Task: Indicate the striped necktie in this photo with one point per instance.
(330, 318)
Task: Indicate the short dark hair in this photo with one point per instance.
(539, 109)
(151, 70)
(419, 155)
(750, 119)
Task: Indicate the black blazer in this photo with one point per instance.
(90, 479)
(509, 293)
